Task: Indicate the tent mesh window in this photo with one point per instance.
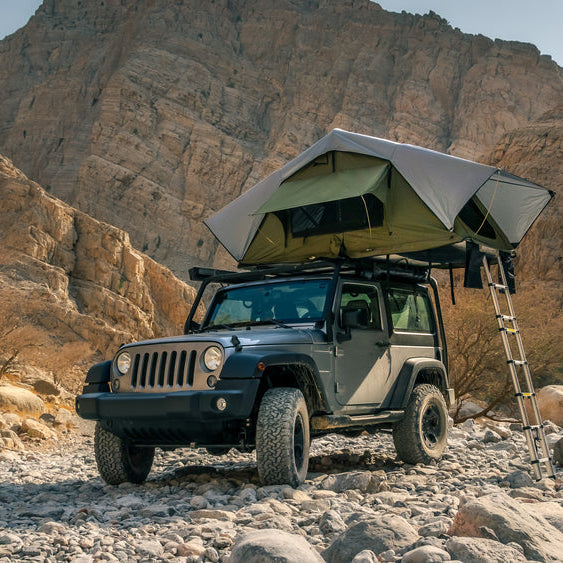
(350, 214)
(474, 218)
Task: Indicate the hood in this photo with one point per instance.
(256, 336)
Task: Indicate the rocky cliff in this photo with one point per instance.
(535, 151)
(152, 115)
(69, 282)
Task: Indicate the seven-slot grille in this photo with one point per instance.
(165, 368)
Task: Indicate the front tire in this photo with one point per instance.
(118, 461)
(421, 435)
(282, 437)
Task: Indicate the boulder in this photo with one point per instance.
(426, 554)
(476, 550)
(295, 494)
(558, 452)
(47, 418)
(511, 521)
(365, 556)
(35, 429)
(273, 545)
(435, 529)
(361, 480)
(149, 548)
(212, 514)
(52, 528)
(551, 511)
(518, 479)
(12, 420)
(191, 548)
(331, 522)
(491, 437)
(46, 387)
(469, 409)
(550, 402)
(9, 439)
(17, 399)
(381, 533)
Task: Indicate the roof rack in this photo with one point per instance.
(370, 268)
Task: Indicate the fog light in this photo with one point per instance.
(221, 404)
(211, 381)
(115, 385)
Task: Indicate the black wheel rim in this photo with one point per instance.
(298, 442)
(136, 456)
(432, 426)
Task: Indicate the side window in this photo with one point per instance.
(410, 311)
(360, 296)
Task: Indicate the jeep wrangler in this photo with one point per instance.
(283, 354)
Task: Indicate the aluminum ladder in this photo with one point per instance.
(542, 464)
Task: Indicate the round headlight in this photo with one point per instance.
(213, 358)
(123, 362)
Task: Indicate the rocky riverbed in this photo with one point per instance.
(358, 504)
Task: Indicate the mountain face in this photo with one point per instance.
(535, 151)
(68, 280)
(153, 115)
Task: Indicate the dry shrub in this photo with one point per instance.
(17, 337)
(478, 366)
(23, 341)
(66, 362)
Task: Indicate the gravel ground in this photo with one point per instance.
(54, 506)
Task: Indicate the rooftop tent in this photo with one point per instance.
(355, 196)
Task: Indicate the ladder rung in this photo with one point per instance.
(498, 285)
(541, 460)
(506, 317)
(532, 427)
(529, 395)
(511, 330)
(517, 362)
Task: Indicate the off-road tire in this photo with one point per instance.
(282, 437)
(118, 461)
(421, 435)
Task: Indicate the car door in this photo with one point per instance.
(361, 357)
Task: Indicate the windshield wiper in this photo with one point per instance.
(273, 322)
(228, 327)
(262, 322)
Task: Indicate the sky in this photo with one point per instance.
(538, 21)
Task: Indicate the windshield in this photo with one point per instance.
(277, 303)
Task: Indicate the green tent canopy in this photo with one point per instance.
(356, 196)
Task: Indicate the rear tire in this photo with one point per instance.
(118, 461)
(421, 435)
(282, 437)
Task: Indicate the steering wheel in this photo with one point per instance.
(312, 311)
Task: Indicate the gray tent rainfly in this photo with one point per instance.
(352, 195)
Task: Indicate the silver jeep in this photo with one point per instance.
(283, 354)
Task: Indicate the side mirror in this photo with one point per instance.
(354, 318)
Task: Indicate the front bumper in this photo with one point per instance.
(196, 406)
